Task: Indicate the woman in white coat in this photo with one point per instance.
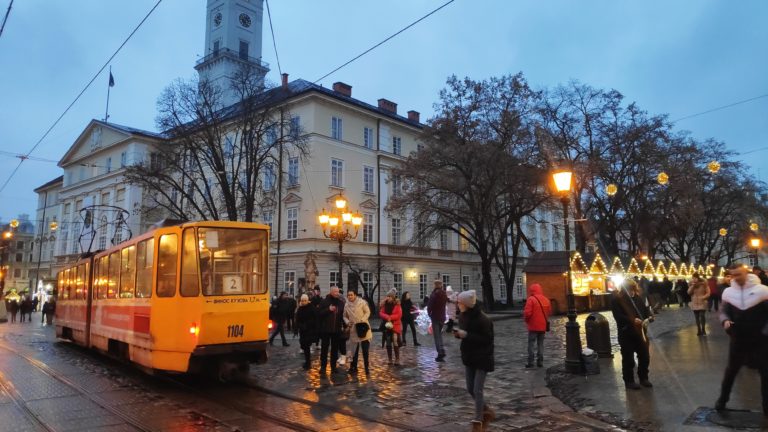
(356, 315)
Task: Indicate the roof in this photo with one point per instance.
(133, 130)
(547, 262)
(59, 179)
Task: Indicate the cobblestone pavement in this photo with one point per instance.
(431, 396)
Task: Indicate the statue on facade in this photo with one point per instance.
(310, 270)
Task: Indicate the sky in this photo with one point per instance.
(679, 58)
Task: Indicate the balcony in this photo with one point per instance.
(397, 250)
(226, 52)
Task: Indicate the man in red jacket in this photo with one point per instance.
(536, 314)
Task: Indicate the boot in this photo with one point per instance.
(477, 426)
(488, 415)
(397, 356)
(389, 354)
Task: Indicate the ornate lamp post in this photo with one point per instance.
(341, 225)
(755, 243)
(563, 179)
(5, 244)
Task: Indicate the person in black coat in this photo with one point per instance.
(330, 317)
(306, 323)
(409, 318)
(26, 309)
(629, 311)
(279, 314)
(476, 334)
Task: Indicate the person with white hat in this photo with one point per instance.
(306, 323)
(476, 334)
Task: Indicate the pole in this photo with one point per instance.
(572, 333)
(106, 113)
(340, 281)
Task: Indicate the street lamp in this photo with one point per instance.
(4, 245)
(755, 243)
(341, 225)
(563, 179)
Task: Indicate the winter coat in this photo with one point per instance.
(26, 306)
(436, 305)
(13, 307)
(49, 307)
(283, 309)
(625, 309)
(306, 322)
(477, 346)
(392, 312)
(407, 307)
(357, 312)
(747, 307)
(699, 292)
(537, 310)
(330, 321)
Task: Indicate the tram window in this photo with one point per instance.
(190, 287)
(67, 286)
(73, 292)
(82, 281)
(234, 259)
(114, 275)
(103, 276)
(127, 271)
(95, 279)
(167, 256)
(60, 283)
(145, 254)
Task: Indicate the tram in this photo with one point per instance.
(188, 298)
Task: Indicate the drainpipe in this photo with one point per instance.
(378, 208)
(279, 201)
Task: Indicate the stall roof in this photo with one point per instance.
(547, 262)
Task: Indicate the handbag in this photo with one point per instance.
(345, 332)
(362, 329)
(542, 311)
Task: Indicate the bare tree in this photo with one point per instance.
(219, 162)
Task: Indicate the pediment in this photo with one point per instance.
(292, 198)
(369, 204)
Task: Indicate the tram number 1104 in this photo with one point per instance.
(236, 330)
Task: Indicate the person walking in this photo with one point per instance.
(630, 313)
(744, 316)
(436, 312)
(409, 317)
(315, 300)
(343, 336)
(476, 334)
(356, 316)
(306, 324)
(13, 308)
(699, 292)
(330, 320)
(26, 309)
(761, 274)
(450, 309)
(536, 315)
(714, 295)
(49, 309)
(279, 316)
(289, 320)
(391, 313)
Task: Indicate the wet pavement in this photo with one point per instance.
(685, 369)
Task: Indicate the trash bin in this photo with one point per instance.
(589, 359)
(598, 335)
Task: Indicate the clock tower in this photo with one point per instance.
(232, 42)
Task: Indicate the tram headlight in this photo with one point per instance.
(270, 325)
(194, 329)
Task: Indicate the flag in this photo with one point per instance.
(111, 80)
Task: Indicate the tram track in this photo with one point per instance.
(18, 401)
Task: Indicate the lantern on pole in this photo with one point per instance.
(753, 226)
(723, 232)
(611, 189)
(662, 178)
(713, 167)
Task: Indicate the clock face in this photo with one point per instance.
(217, 19)
(245, 20)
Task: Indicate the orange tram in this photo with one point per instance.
(188, 298)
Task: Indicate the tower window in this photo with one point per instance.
(216, 45)
(244, 50)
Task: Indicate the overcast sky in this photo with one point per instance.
(679, 58)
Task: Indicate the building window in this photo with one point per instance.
(19, 257)
(423, 285)
(216, 46)
(367, 282)
(397, 283)
(337, 172)
(368, 228)
(397, 145)
(502, 289)
(368, 179)
(295, 128)
(269, 176)
(444, 240)
(397, 185)
(293, 223)
(293, 171)
(333, 277)
(244, 50)
(336, 128)
(419, 147)
(465, 282)
(368, 138)
(103, 233)
(463, 242)
(519, 286)
(396, 231)
(17, 273)
(446, 280)
(421, 239)
(123, 159)
(20, 245)
(267, 217)
(289, 282)
(76, 238)
(109, 164)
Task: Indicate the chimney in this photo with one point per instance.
(388, 105)
(413, 116)
(342, 88)
(285, 81)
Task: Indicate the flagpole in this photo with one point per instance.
(106, 114)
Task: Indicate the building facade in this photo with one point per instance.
(46, 228)
(18, 255)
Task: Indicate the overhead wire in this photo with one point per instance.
(5, 19)
(721, 108)
(384, 41)
(26, 156)
(274, 42)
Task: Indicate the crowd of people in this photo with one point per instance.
(23, 309)
(339, 324)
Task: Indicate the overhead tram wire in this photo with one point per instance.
(721, 108)
(7, 12)
(27, 155)
(383, 42)
(274, 42)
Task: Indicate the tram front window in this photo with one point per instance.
(232, 261)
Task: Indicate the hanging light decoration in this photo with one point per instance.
(611, 189)
(713, 167)
(723, 232)
(753, 226)
(662, 178)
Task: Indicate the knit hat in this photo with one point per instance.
(468, 298)
(304, 297)
(392, 292)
